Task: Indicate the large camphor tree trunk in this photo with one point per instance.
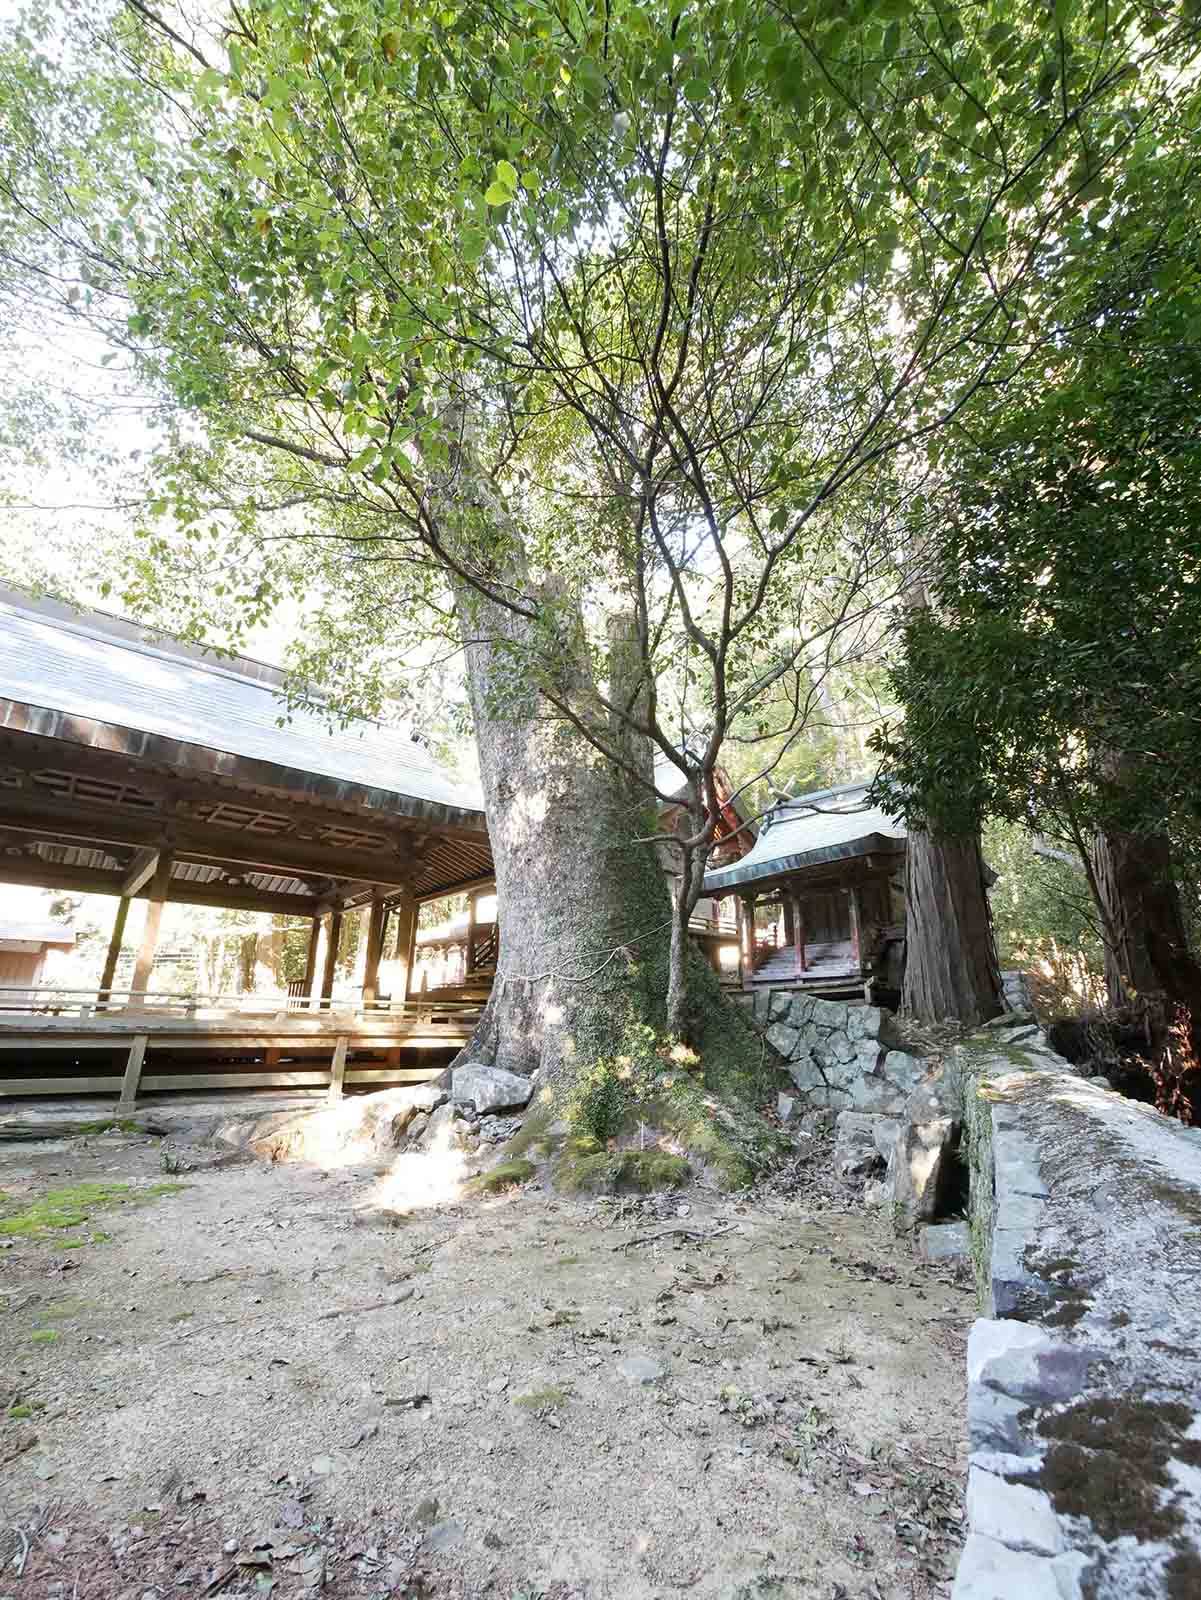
(583, 907)
(1149, 967)
(951, 969)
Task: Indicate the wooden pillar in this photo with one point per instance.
(469, 953)
(337, 1071)
(746, 937)
(333, 935)
(856, 952)
(114, 949)
(310, 959)
(789, 918)
(376, 923)
(144, 965)
(404, 911)
(133, 1072)
(798, 923)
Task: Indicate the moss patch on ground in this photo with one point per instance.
(662, 1095)
(548, 1399)
(588, 1166)
(504, 1175)
(66, 1210)
(534, 1137)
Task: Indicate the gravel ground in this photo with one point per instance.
(352, 1381)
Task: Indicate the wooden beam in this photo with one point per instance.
(798, 915)
(137, 757)
(48, 818)
(337, 1071)
(114, 948)
(94, 880)
(133, 1072)
(140, 871)
(144, 965)
(464, 886)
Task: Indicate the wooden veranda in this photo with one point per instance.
(151, 770)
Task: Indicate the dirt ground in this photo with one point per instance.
(289, 1380)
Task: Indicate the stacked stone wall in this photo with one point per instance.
(839, 1056)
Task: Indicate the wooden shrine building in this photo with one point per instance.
(154, 770)
(820, 896)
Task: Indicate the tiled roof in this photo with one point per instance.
(827, 825)
(88, 670)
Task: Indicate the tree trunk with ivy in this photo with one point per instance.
(584, 912)
(1149, 968)
(951, 970)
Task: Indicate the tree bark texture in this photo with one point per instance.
(1149, 967)
(583, 908)
(951, 966)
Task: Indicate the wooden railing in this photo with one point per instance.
(87, 1003)
(481, 957)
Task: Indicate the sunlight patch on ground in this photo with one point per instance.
(420, 1179)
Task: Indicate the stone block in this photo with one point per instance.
(1015, 1163)
(993, 1339)
(761, 1004)
(863, 1143)
(864, 1022)
(989, 1570)
(783, 1039)
(875, 1094)
(994, 1423)
(830, 1014)
(919, 1159)
(779, 1005)
(1018, 1032)
(803, 1071)
(842, 1048)
(489, 1088)
(786, 1105)
(947, 1241)
(1012, 1513)
(868, 1055)
(801, 1011)
(904, 1070)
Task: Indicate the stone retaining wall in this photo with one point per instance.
(1084, 1379)
(839, 1056)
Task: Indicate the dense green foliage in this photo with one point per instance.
(1068, 602)
(1045, 922)
(668, 286)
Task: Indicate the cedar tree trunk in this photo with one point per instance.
(1149, 967)
(950, 957)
